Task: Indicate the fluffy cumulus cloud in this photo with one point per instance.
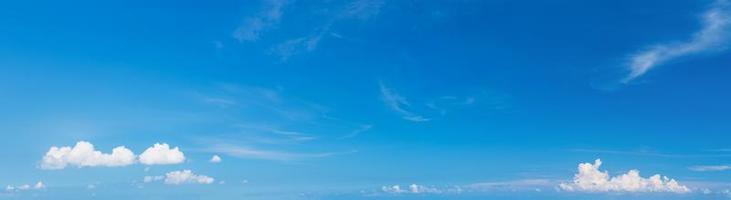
(591, 179)
(39, 185)
(83, 154)
(162, 154)
(180, 177)
(215, 159)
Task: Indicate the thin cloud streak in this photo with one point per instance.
(398, 103)
(712, 36)
(651, 154)
(358, 131)
(513, 185)
(710, 168)
(253, 153)
(253, 27)
(361, 10)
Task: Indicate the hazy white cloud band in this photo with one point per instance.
(706, 168)
(180, 177)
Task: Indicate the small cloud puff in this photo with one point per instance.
(162, 154)
(37, 186)
(180, 177)
(84, 155)
(590, 179)
(215, 159)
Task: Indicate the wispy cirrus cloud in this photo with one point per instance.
(363, 9)
(252, 28)
(710, 168)
(653, 153)
(399, 104)
(220, 102)
(15, 188)
(272, 134)
(292, 47)
(358, 10)
(261, 154)
(714, 35)
(356, 132)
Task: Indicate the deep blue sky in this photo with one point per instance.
(336, 99)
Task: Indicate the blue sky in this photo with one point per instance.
(365, 99)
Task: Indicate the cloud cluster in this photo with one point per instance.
(39, 185)
(162, 154)
(83, 154)
(418, 189)
(713, 36)
(590, 179)
(180, 177)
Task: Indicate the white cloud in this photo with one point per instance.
(162, 154)
(397, 103)
(186, 177)
(706, 191)
(83, 154)
(704, 168)
(180, 177)
(712, 36)
(215, 159)
(148, 179)
(590, 179)
(39, 185)
(419, 189)
(393, 189)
